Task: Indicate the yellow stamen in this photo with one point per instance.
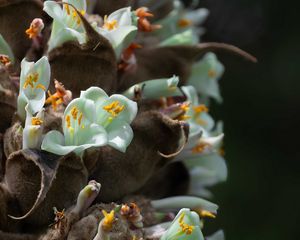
(110, 25)
(30, 80)
(74, 112)
(212, 73)
(184, 22)
(200, 109)
(108, 220)
(114, 108)
(67, 7)
(204, 213)
(41, 86)
(68, 120)
(185, 228)
(200, 148)
(80, 118)
(36, 121)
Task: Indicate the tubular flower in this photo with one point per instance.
(185, 226)
(32, 133)
(6, 54)
(143, 23)
(36, 27)
(153, 89)
(34, 81)
(205, 76)
(61, 96)
(119, 29)
(87, 195)
(66, 25)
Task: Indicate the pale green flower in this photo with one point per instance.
(185, 226)
(153, 89)
(205, 76)
(186, 37)
(67, 25)
(79, 128)
(33, 130)
(177, 22)
(34, 81)
(199, 120)
(93, 120)
(6, 50)
(114, 113)
(119, 28)
(205, 170)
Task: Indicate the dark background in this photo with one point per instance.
(261, 198)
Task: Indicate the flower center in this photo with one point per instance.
(184, 22)
(198, 110)
(74, 116)
(212, 73)
(36, 121)
(185, 228)
(110, 25)
(114, 108)
(199, 148)
(31, 79)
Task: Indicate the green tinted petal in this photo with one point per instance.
(95, 94)
(54, 143)
(187, 37)
(120, 135)
(154, 89)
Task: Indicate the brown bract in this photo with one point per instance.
(8, 99)
(15, 17)
(82, 66)
(31, 175)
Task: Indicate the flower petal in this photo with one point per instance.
(5, 49)
(120, 135)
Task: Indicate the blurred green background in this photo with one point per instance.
(260, 200)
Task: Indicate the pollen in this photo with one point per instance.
(35, 28)
(68, 121)
(74, 112)
(109, 219)
(200, 109)
(80, 118)
(212, 73)
(4, 59)
(114, 108)
(184, 22)
(36, 121)
(41, 86)
(30, 80)
(110, 25)
(204, 213)
(200, 148)
(185, 228)
(58, 97)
